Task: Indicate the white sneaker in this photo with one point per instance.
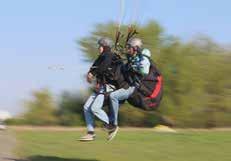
(113, 133)
(88, 137)
(109, 128)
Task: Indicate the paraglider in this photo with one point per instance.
(132, 75)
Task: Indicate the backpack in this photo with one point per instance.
(150, 91)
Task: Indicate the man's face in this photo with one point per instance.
(131, 50)
(100, 49)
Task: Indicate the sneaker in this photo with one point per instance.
(88, 137)
(109, 127)
(112, 133)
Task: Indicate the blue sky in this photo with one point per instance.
(41, 33)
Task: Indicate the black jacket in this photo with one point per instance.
(108, 69)
(101, 65)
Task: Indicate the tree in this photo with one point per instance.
(70, 109)
(41, 110)
(196, 80)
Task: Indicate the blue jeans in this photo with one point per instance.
(115, 97)
(93, 106)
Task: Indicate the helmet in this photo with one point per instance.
(135, 42)
(146, 52)
(105, 42)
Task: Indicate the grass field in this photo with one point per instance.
(129, 145)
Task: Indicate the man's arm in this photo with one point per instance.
(142, 67)
(145, 66)
(93, 70)
(101, 64)
(94, 67)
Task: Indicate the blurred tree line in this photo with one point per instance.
(197, 86)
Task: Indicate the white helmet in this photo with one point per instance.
(135, 42)
(105, 42)
(146, 52)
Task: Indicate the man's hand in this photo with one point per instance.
(90, 77)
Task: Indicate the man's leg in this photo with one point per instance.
(89, 119)
(110, 88)
(97, 110)
(111, 114)
(116, 96)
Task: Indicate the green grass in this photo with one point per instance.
(138, 145)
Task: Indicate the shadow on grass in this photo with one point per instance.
(50, 158)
